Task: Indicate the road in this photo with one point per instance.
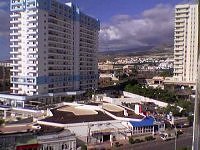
(183, 141)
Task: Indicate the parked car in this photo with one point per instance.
(166, 136)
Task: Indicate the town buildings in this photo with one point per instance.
(30, 136)
(186, 42)
(100, 122)
(54, 49)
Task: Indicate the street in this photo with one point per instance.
(183, 141)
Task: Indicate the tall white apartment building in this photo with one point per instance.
(186, 42)
(54, 48)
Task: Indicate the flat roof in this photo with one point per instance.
(77, 110)
(67, 117)
(112, 108)
(26, 97)
(46, 129)
(15, 129)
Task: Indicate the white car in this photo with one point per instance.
(166, 136)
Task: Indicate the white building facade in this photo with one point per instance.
(186, 42)
(54, 48)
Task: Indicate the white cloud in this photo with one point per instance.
(152, 27)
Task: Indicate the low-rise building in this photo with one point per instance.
(99, 122)
(31, 136)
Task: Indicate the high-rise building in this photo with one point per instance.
(186, 42)
(54, 48)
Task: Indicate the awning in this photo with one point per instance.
(148, 121)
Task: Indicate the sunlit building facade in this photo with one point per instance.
(54, 48)
(186, 42)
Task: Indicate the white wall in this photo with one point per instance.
(133, 98)
(145, 99)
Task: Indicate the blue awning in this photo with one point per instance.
(148, 121)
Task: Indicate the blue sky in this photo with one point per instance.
(125, 24)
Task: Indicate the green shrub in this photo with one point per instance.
(2, 121)
(83, 147)
(138, 141)
(131, 140)
(149, 138)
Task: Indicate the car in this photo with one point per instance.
(166, 136)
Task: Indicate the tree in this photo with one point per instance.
(2, 121)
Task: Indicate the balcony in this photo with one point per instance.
(179, 30)
(31, 32)
(31, 65)
(33, 71)
(32, 45)
(179, 34)
(15, 46)
(32, 39)
(32, 13)
(16, 64)
(178, 58)
(14, 70)
(32, 19)
(179, 25)
(15, 28)
(14, 88)
(179, 39)
(15, 33)
(32, 26)
(32, 52)
(182, 16)
(31, 7)
(179, 44)
(15, 58)
(15, 21)
(179, 53)
(32, 58)
(15, 52)
(15, 40)
(179, 21)
(178, 67)
(178, 63)
(15, 15)
(178, 71)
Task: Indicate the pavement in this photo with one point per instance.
(183, 141)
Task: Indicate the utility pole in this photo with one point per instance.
(196, 124)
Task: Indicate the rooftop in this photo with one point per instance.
(15, 129)
(73, 116)
(148, 121)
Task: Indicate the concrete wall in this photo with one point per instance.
(133, 98)
(144, 99)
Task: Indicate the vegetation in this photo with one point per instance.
(2, 121)
(166, 73)
(165, 96)
(83, 147)
(187, 109)
(149, 138)
(131, 140)
(159, 94)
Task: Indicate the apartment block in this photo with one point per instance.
(186, 42)
(54, 48)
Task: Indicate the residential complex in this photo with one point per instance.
(186, 42)
(54, 48)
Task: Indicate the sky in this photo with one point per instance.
(125, 24)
